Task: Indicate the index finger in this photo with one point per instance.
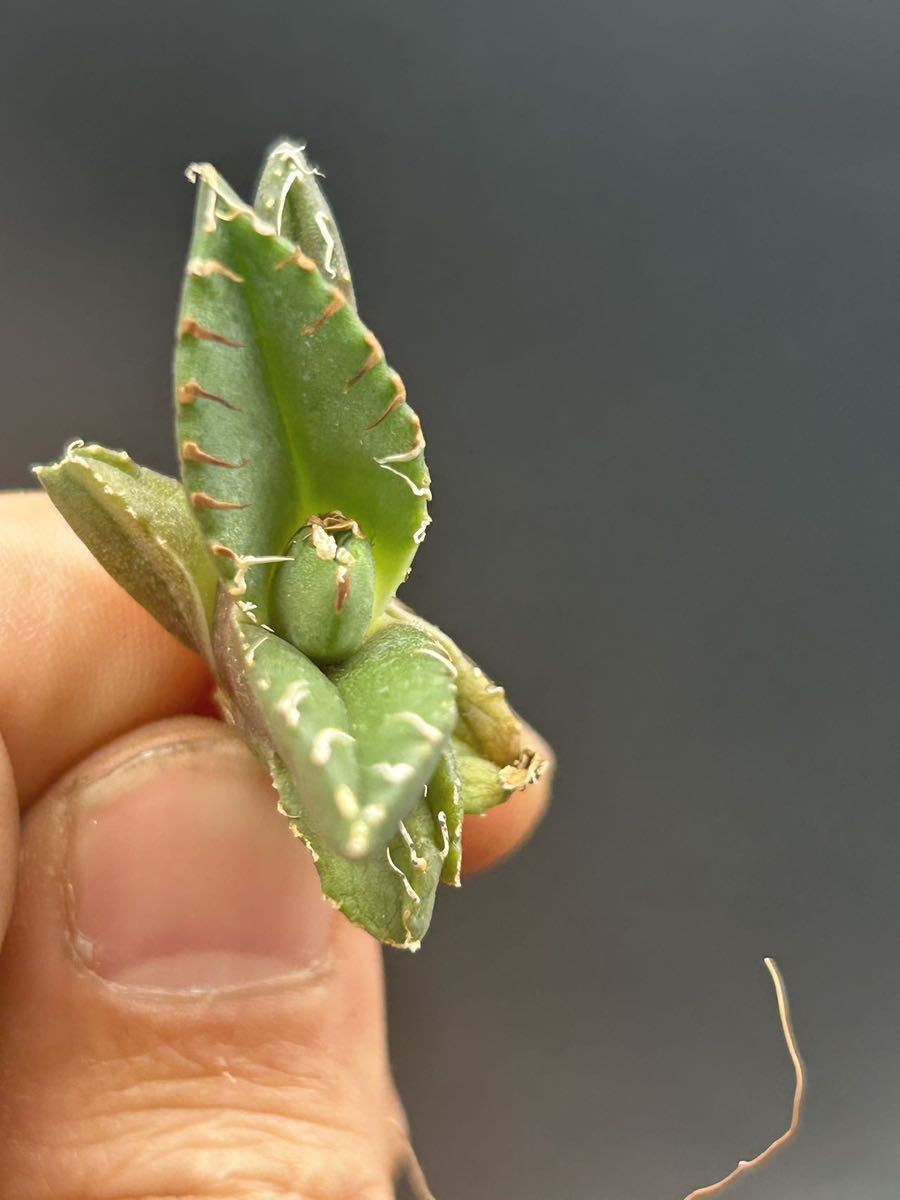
(80, 661)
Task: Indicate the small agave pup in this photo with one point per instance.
(302, 503)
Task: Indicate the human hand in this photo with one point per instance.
(181, 1013)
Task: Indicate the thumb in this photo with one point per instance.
(181, 1013)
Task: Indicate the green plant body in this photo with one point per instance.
(302, 502)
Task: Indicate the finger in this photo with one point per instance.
(501, 831)
(81, 661)
(9, 838)
(181, 1013)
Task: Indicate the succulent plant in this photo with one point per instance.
(302, 502)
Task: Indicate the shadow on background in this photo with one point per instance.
(638, 265)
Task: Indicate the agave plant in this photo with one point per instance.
(302, 502)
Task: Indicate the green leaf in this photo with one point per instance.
(400, 697)
(286, 408)
(137, 524)
(444, 797)
(486, 721)
(307, 723)
(391, 896)
(491, 760)
(288, 196)
(360, 746)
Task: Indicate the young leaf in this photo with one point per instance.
(286, 408)
(137, 525)
(321, 600)
(288, 196)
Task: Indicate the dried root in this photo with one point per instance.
(747, 1165)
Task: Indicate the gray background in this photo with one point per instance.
(638, 264)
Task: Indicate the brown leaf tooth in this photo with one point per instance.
(398, 401)
(191, 452)
(192, 391)
(202, 268)
(338, 300)
(188, 327)
(303, 261)
(376, 356)
(202, 500)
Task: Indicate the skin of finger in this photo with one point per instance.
(272, 1089)
(490, 838)
(9, 838)
(82, 661)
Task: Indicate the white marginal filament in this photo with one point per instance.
(251, 653)
(414, 488)
(415, 858)
(445, 833)
(294, 154)
(292, 178)
(322, 223)
(410, 891)
(405, 456)
(244, 562)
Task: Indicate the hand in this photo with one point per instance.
(181, 1013)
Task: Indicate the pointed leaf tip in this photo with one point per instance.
(290, 197)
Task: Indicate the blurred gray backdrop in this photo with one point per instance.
(638, 265)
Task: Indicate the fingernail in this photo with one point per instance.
(184, 876)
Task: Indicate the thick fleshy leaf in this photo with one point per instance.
(491, 760)
(286, 408)
(444, 798)
(391, 895)
(486, 721)
(400, 696)
(137, 524)
(289, 197)
(307, 723)
(361, 745)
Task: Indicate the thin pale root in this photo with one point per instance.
(787, 1028)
